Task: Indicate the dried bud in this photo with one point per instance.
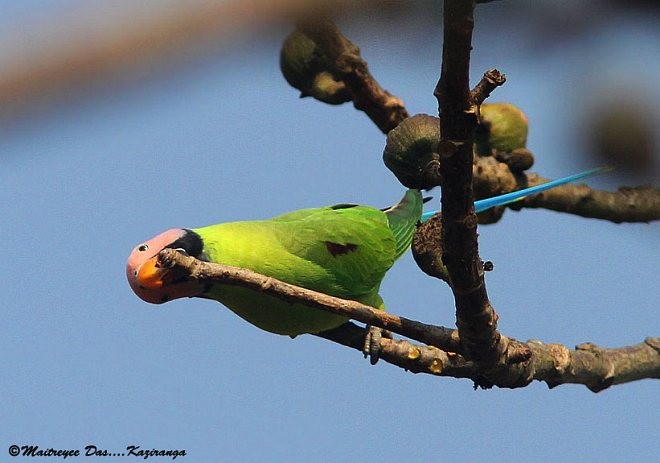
(427, 249)
(411, 151)
(518, 160)
(304, 67)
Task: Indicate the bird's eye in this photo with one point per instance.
(143, 247)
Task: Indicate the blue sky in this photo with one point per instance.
(224, 138)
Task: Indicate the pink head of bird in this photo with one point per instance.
(152, 282)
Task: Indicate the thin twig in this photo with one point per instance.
(383, 108)
(489, 82)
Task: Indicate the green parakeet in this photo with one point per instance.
(343, 250)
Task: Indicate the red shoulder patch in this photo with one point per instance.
(336, 249)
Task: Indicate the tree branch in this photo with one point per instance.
(627, 204)
(638, 204)
(383, 108)
(404, 354)
(475, 317)
(489, 82)
(491, 178)
(595, 367)
(443, 338)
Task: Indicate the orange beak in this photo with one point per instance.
(151, 274)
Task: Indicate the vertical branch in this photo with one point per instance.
(475, 318)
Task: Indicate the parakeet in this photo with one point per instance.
(342, 250)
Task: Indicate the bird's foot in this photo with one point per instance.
(372, 339)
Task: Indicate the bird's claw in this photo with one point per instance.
(372, 340)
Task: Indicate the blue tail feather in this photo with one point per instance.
(507, 198)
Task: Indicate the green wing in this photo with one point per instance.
(355, 237)
(343, 250)
(352, 243)
(339, 250)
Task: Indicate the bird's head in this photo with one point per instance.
(154, 283)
